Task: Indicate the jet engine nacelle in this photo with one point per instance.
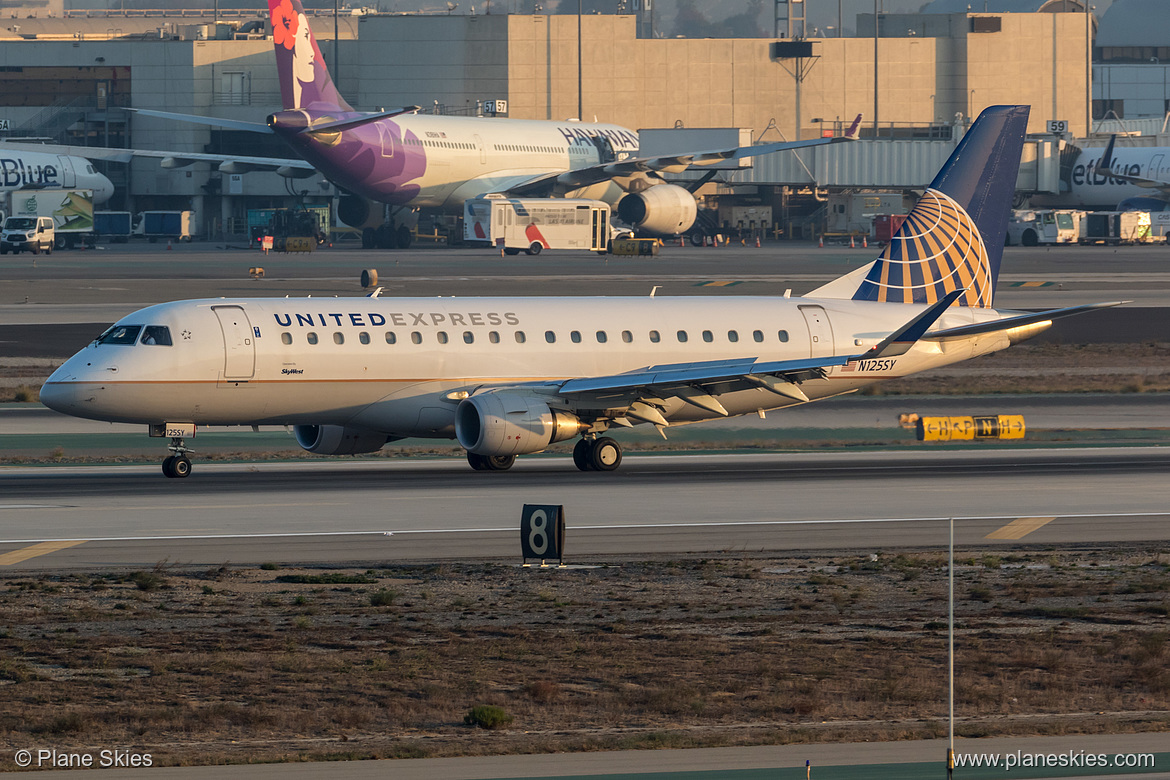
(664, 209)
(359, 212)
(511, 424)
(337, 439)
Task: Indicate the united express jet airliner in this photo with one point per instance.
(510, 376)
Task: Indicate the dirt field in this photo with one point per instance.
(237, 664)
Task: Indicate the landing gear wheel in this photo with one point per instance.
(581, 455)
(168, 466)
(605, 454)
(533, 249)
(403, 237)
(181, 467)
(490, 462)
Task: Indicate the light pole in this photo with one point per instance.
(580, 110)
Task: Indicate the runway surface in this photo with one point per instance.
(382, 510)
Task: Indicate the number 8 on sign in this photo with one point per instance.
(538, 534)
(542, 531)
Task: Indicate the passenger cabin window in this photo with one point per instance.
(494, 337)
(708, 336)
(364, 337)
(468, 337)
(286, 338)
(783, 335)
(732, 336)
(338, 338)
(312, 337)
(156, 335)
(758, 335)
(575, 336)
(682, 337)
(391, 338)
(627, 336)
(601, 337)
(441, 336)
(655, 337)
(415, 337)
(120, 334)
(550, 337)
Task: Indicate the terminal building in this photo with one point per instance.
(69, 74)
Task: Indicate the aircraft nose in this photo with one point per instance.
(104, 189)
(59, 396)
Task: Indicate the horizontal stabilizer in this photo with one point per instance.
(349, 124)
(1020, 321)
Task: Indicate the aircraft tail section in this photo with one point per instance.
(304, 79)
(953, 238)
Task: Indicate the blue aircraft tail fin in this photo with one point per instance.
(953, 238)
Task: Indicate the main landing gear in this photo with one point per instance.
(600, 454)
(177, 466)
(490, 462)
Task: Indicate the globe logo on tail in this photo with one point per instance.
(938, 249)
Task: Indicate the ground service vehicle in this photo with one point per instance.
(71, 212)
(1116, 227)
(535, 224)
(167, 224)
(1044, 226)
(116, 225)
(32, 233)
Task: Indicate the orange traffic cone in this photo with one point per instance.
(757, 242)
(864, 242)
(821, 243)
(168, 243)
(852, 245)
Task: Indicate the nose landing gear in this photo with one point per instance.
(599, 454)
(177, 466)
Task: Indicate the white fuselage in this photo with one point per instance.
(27, 170)
(1094, 187)
(400, 365)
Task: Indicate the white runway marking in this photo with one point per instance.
(631, 526)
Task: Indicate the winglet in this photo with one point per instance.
(900, 341)
(1106, 161)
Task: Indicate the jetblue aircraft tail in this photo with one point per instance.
(304, 79)
(953, 238)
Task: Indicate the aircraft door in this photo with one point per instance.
(238, 342)
(68, 175)
(820, 331)
(482, 149)
(1156, 166)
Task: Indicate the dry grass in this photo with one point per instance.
(233, 665)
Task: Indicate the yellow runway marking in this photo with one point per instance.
(1018, 529)
(44, 548)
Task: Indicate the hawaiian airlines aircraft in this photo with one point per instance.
(411, 160)
(1126, 179)
(21, 169)
(510, 376)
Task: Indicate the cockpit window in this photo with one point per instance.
(159, 335)
(89, 169)
(120, 334)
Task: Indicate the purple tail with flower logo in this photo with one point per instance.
(304, 79)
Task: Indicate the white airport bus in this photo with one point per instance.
(534, 224)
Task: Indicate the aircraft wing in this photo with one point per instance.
(640, 392)
(293, 168)
(674, 163)
(1141, 181)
